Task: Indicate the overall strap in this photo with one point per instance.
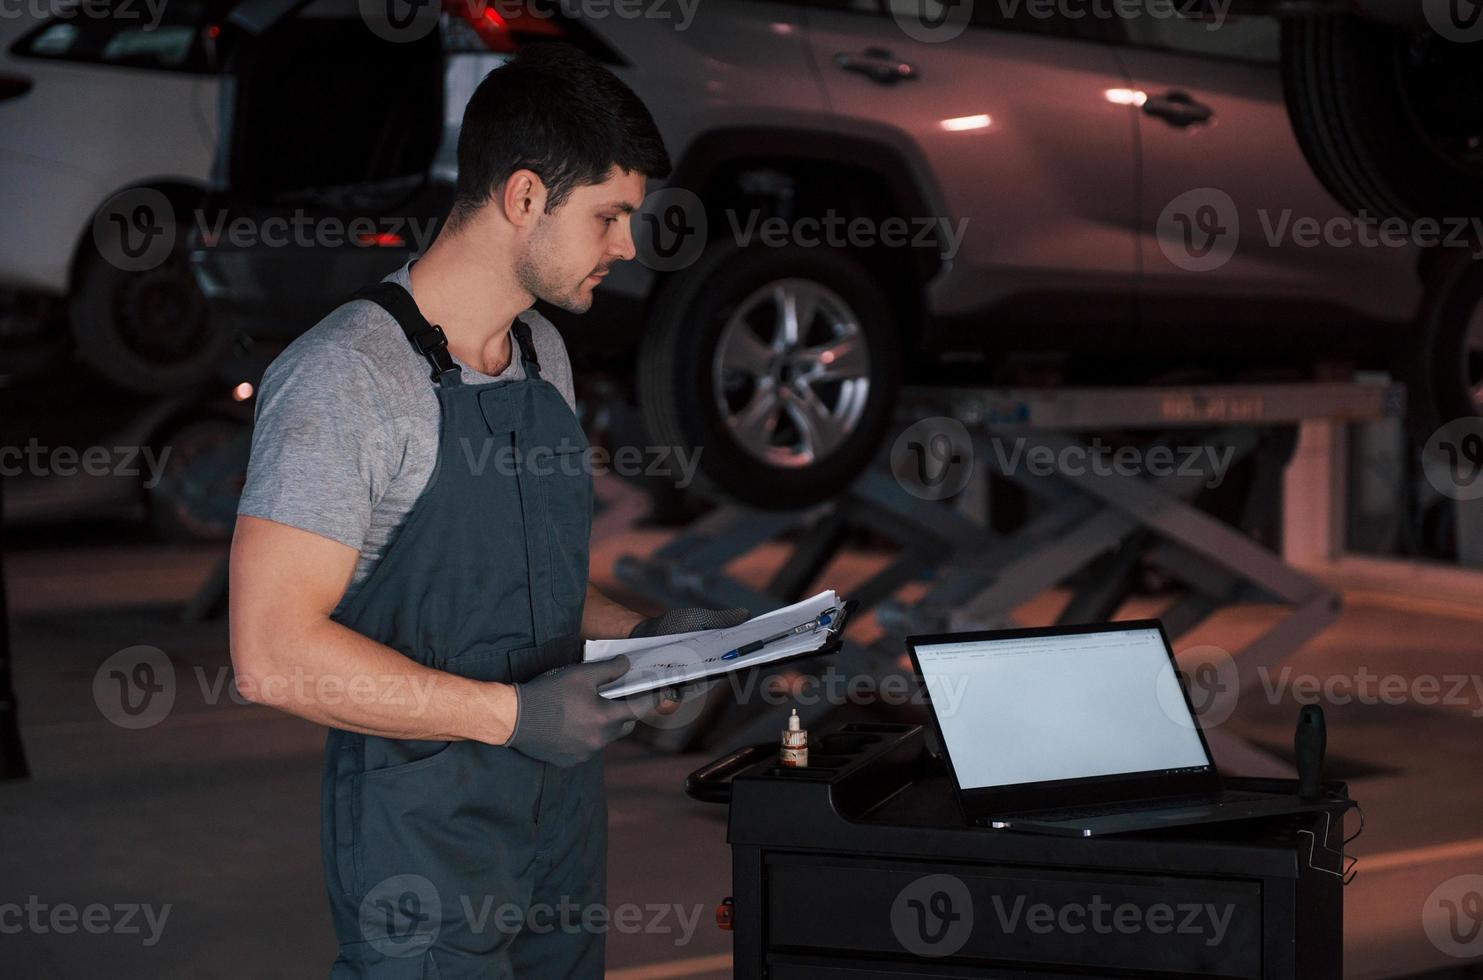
(521, 331)
(428, 339)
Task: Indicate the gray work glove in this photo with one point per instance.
(562, 719)
(685, 621)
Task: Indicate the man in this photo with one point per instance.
(410, 559)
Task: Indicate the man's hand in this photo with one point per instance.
(688, 620)
(563, 720)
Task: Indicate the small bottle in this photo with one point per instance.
(795, 744)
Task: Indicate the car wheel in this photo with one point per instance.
(1390, 118)
(201, 480)
(1444, 371)
(781, 366)
(149, 331)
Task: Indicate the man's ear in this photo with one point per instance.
(524, 198)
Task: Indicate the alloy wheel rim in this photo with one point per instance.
(791, 373)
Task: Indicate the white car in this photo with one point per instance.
(96, 104)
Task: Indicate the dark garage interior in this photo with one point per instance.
(741, 488)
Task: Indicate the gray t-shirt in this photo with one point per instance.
(347, 425)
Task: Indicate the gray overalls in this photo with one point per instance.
(436, 852)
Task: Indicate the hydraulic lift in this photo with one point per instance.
(1095, 521)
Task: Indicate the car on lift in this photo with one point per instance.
(1111, 198)
(106, 106)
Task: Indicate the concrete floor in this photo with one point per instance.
(214, 811)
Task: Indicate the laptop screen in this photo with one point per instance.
(1045, 708)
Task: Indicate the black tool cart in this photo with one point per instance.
(861, 866)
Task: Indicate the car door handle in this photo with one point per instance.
(878, 65)
(1178, 109)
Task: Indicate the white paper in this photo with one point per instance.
(661, 661)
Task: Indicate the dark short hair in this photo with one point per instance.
(554, 110)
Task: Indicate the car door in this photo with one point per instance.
(1019, 124)
(1237, 231)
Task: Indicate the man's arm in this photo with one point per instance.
(289, 654)
(604, 619)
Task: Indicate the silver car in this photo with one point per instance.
(876, 192)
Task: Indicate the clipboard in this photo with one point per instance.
(833, 643)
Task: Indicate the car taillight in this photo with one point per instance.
(502, 31)
(13, 87)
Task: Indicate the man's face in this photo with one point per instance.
(572, 248)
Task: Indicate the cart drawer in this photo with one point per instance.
(1154, 924)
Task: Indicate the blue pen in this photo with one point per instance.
(824, 619)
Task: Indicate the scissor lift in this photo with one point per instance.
(1092, 532)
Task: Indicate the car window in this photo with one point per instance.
(161, 36)
(1244, 38)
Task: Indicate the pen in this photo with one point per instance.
(824, 619)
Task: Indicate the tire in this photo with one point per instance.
(150, 331)
(1444, 371)
(689, 400)
(201, 480)
(1388, 117)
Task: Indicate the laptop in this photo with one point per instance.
(1077, 731)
